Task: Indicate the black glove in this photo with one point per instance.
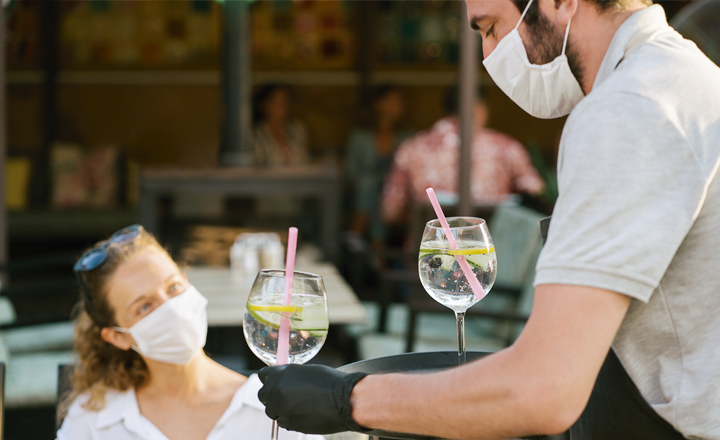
(313, 399)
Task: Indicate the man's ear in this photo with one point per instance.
(115, 338)
(565, 10)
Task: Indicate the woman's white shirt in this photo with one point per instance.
(120, 419)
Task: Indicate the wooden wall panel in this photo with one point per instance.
(24, 104)
(180, 125)
(155, 125)
(423, 106)
(329, 114)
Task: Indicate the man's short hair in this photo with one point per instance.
(603, 6)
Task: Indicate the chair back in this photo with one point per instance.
(7, 312)
(421, 213)
(2, 399)
(65, 372)
(529, 224)
(48, 297)
(516, 233)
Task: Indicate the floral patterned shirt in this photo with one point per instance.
(501, 166)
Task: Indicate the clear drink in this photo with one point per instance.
(441, 273)
(308, 319)
(305, 313)
(444, 280)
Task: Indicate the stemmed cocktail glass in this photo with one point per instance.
(441, 268)
(306, 317)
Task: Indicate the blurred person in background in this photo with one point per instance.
(277, 140)
(141, 371)
(500, 165)
(369, 157)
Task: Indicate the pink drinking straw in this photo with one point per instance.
(284, 336)
(464, 265)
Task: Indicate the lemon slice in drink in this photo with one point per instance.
(431, 251)
(478, 257)
(271, 314)
(309, 318)
(274, 308)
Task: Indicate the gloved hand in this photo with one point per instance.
(313, 399)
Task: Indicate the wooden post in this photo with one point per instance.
(365, 12)
(3, 151)
(237, 87)
(50, 59)
(2, 391)
(467, 90)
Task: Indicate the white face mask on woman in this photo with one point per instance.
(544, 90)
(175, 332)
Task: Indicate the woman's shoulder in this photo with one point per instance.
(82, 406)
(83, 417)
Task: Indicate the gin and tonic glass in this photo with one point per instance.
(441, 274)
(306, 313)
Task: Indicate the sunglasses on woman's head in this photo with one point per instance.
(96, 257)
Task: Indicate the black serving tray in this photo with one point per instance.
(409, 363)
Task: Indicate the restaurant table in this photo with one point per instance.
(227, 294)
(318, 182)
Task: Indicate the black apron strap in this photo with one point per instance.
(616, 409)
(544, 228)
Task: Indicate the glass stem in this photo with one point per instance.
(275, 430)
(460, 320)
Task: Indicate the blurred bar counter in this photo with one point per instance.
(321, 182)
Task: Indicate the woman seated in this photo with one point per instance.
(141, 371)
(278, 141)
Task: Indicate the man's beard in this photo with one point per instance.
(548, 42)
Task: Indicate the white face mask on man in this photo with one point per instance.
(175, 332)
(543, 90)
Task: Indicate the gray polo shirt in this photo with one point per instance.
(639, 214)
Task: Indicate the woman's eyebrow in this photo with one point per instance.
(141, 297)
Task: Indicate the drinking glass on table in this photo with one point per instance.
(306, 313)
(441, 274)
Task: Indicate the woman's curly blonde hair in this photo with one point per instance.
(101, 366)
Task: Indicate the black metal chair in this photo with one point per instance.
(2, 399)
(65, 372)
(39, 293)
(45, 281)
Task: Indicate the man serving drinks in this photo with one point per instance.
(621, 341)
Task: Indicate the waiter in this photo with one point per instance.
(624, 337)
